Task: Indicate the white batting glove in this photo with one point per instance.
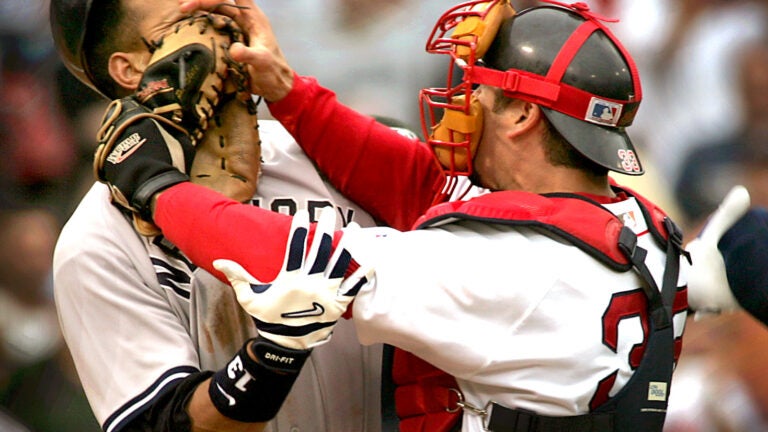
(708, 288)
(298, 309)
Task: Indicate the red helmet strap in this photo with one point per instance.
(550, 92)
(569, 50)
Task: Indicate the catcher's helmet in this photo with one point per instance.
(69, 25)
(564, 59)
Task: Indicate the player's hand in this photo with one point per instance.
(270, 75)
(299, 309)
(708, 288)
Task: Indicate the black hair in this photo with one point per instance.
(111, 28)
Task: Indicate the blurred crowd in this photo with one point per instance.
(702, 127)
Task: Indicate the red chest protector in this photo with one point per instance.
(426, 397)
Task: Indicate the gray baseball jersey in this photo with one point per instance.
(138, 318)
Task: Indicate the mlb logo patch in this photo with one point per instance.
(629, 219)
(603, 112)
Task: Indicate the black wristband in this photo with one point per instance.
(277, 358)
(252, 391)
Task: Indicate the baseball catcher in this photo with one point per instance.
(195, 99)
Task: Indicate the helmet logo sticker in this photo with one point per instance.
(628, 161)
(603, 112)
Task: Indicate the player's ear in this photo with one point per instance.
(524, 116)
(127, 69)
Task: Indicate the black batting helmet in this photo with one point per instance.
(69, 26)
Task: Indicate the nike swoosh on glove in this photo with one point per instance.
(300, 308)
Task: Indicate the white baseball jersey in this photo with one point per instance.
(138, 319)
(518, 317)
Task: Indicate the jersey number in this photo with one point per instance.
(625, 305)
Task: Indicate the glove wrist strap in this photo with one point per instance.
(249, 390)
(142, 199)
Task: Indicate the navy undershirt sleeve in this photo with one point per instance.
(745, 250)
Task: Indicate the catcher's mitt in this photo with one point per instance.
(190, 70)
(228, 157)
(191, 87)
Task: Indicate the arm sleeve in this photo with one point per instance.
(391, 176)
(415, 301)
(207, 226)
(745, 252)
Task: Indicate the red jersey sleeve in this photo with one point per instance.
(391, 176)
(207, 226)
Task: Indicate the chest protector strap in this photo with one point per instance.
(641, 404)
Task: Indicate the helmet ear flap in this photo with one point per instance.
(481, 29)
(457, 135)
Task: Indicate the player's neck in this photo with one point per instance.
(569, 180)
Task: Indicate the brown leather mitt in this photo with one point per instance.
(191, 93)
(186, 77)
(228, 157)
